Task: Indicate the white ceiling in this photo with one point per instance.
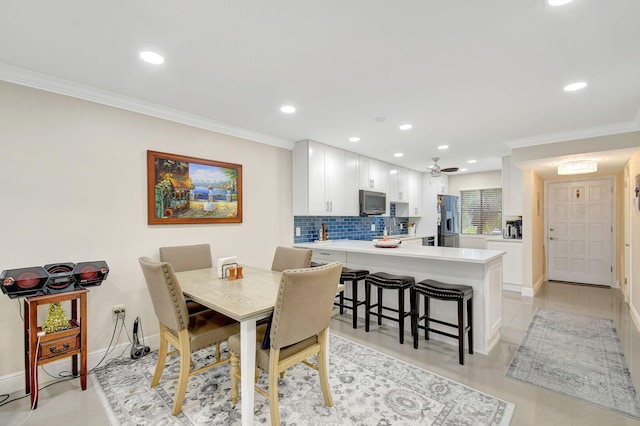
(480, 76)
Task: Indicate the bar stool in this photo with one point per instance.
(441, 291)
(352, 275)
(383, 280)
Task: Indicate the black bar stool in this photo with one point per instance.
(441, 291)
(383, 280)
(352, 275)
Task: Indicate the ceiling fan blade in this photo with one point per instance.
(449, 169)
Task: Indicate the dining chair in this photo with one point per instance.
(186, 258)
(291, 258)
(186, 333)
(299, 330)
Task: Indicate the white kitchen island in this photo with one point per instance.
(480, 269)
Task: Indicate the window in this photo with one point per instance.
(481, 211)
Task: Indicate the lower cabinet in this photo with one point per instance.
(511, 262)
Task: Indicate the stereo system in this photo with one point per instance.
(52, 278)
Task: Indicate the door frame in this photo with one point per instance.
(547, 205)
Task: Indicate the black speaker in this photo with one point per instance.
(24, 282)
(89, 274)
(61, 279)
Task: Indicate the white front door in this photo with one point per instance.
(580, 231)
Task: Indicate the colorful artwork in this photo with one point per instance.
(192, 190)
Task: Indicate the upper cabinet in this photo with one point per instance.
(318, 180)
(372, 174)
(511, 188)
(407, 188)
(397, 184)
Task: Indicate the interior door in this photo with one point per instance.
(580, 232)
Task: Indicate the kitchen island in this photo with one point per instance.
(480, 269)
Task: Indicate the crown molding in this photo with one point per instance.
(52, 84)
(590, 132)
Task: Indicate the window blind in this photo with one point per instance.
(481, 211)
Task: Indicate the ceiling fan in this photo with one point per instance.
(437, 171)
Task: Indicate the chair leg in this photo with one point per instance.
(461, 331)
(218, 352)
(415, 313)
(470, 322)
(379, 305)
(354, 295)
(235, 375)
(427, 306)
(367, 305)
(341, 296)
(162, 356)
(401, 315)
(183, 378)
(274, 355)
(322, 368)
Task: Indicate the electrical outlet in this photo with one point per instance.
(118, 309)
(373, 226)
(297, 231)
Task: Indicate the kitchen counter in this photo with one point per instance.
(451, 254)
(478, 268)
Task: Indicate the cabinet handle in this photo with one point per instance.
(331, 206)
(53, 349)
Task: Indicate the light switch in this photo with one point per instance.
(297, 231)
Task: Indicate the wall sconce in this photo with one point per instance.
(577, 167)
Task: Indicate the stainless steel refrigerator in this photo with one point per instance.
(448, 219)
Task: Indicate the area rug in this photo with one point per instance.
(578, 356)
(368, 388)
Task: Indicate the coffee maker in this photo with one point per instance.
(513, 229)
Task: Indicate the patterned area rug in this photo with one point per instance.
(578, 356)
(368, 388)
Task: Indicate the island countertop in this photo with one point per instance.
(467, 255)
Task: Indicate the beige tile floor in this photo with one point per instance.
(66, 404)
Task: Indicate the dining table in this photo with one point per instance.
(246, 300)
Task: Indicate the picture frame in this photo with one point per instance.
(189, 190)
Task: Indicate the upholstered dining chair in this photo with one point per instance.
(299, 330)
(291, 258)
(186, 333)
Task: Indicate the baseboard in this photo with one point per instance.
(14, 382)
(635, 316)
(512, 287)
(527, 292)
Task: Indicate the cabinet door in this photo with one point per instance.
(352, 201)
(511, 261)
(316, 172)
(334, 183)
(371, 174)
(392, 183)
(511, 188)
(415, 192)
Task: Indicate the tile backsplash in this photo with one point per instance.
(343, 227)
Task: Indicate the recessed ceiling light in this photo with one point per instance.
(558, 2)
(151, 57)
(464, 170)
(398, 154)
(443, 147)
(406, 126)
(575, 86)
(472, 161)
(393, 172)
(354, 139)
(288, 109)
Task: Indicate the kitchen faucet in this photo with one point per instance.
(392, 225)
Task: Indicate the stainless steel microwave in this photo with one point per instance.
(372, 203)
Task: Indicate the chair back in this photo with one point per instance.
(291, 258)
(186, 258)
(304, 303)
(166, 295)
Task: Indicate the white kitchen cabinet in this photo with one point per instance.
(372, 174)
(415, 191)
(511, 262)
(352, 200)
(397, 184)
(319, 180)
(511, 188)
(410, 205)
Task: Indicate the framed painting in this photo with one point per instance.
(188, 190)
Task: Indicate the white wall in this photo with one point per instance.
(74, 189)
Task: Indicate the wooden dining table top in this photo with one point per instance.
(253, 296)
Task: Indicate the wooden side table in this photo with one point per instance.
(53, 346)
